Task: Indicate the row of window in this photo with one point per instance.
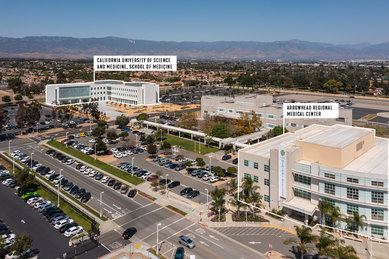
(256, 179)
(353, 193)
(255, 165)
(97, 93)
(354, 180)
(302, 179)
(261, 115)
(98, 88)
(124, 89)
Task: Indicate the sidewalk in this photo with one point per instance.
(129, 251)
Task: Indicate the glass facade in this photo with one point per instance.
(74, 92)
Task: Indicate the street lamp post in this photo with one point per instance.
(9, 147)
(159, 224)
(219, 217)
(101, 203)
(132, 165)
(95, 151)
(59, 184)
(161, 135)
(66, 137)
(246, 217)
(13, 165)
(31, 161)
(166, 184)
(207, 200)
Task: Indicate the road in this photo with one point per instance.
(144, 215)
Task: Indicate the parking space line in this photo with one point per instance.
(251, 231)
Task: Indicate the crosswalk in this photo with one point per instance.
(254, 231)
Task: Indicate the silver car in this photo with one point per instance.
(186, 241)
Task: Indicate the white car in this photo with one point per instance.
(105, 179)
(38, 203)
(146, 175)
(129, 153)
(62, 223)
(214, 179)
(83, 168)
(70, 161)
(32, 200)
(32, 204)
(92, 174)
(7, 181)
(124, 154)
(114, 149)
(73, 231)
(50, 173)
(118, 155)
(92, 140)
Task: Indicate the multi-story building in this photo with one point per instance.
(344, 164)
(270, 113)
(131, 93)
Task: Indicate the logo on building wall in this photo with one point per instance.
(282, 173)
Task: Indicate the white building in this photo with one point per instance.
(131, 93)
(346, 165)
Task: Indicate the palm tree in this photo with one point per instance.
(335, 215)
(305, 237)
(248, 186)
(345, 252)
(237, 203)
(358, 220)
(326, 244)
(232, 186)
(325, 207)
(255, 199)
(218, 199)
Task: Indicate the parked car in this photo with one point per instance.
(193, 194)
(128, 233)
(226, 157)
(186, 241)
(117, 186)
(86, 197)
(180, 253)
(124, 189)
(132, 193)
(174, 184)
(73, 231)
(186, 191)
(235, 161)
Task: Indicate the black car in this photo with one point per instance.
(117, 186)
(74, 189)
(165, 181)
(79, 166)
(226, 157)
(111, 182)
(128, 233)
(86, 197)
(173, 184)
(193, 194)
(179, 253)
(235, 161)
(64, 182)
(80, 193)
(132, 193)
(68, 186)
(53, 176)
(98, 176)
(186, 191)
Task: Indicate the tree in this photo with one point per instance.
(16, 84)
(22, 243)
(335, 215)
(200, 162)
(188, 120)
(358, 221)
(232, 170)
(248, 186)
(111, 134)
(33, 112)
(100, 145)
(2, 243)
(122, 121)
(325, 244)
(188, 163)
(2, 118)
(220, 130)
(345, 252)
(325, 207)
(166, 146)
(278, 131)
(18, 97)
(64, 113)
(123, 134)
(237, 203)
(218, 171)
(152, 149)
(305, 237)
(98, 131)
(218, 199)
(333, 86)
(159, 134)
(142, 117)
(20, 117)
(149, 139)
(232, 186)
(6, 98)
(24, 179)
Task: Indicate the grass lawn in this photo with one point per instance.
(97, 163)
(189, 145)
(78, 217)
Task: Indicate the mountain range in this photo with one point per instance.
(53, 47)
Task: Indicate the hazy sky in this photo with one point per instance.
(332, 21)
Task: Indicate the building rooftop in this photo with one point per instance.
(337, 136)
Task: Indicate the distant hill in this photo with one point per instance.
(79, 48)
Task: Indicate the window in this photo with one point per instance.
(256, 179)
(340, 119)
(266, 198)
(247, 175)
(259, 114)
(271, 117)
(246, 162)
(255, 165)
(328, 175)
(352, 180)
(266, 182)
(377, 214)
(221, 109)
(376, 183)
(351, 209)
(360, 145)
(270, 126)
(332, 202)
(377, 197)
(293, 125)
(353, 193)
(377, 230)
(266, 168)
(302, 179)
(231, 111)
(329, 188)
(302, 194)
(205, 112)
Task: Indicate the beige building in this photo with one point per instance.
(270, 113)
(344, 164)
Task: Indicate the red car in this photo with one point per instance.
(64, 140)
(150, 178)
